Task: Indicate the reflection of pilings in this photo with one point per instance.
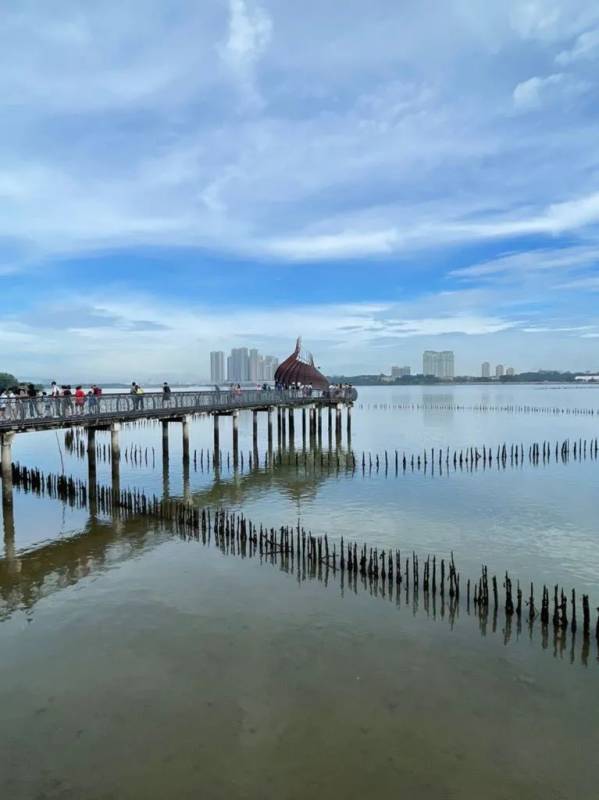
(379, 571)
(8, 524)
(115, 457)
(185, 425)
(186, 482)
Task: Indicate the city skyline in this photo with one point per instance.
(243, 365)
(136, 250)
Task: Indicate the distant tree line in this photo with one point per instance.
(543, 376)
(7, 381)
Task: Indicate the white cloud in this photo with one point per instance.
(586, 47)
(249, 34)
(336, 245)
(524, 262)
(532, 93)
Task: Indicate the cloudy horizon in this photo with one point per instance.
(382, 178)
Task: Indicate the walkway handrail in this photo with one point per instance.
(40, 409)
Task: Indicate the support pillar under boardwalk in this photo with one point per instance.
(348, 426)
(235, 422)
(255, 429)
(319, 428)
(338, 424)
(291, 420)
(8, 520)
(216, 438)
(91, 472)
(270, 428)
(185, 425)
(165, 447)
(304, 428)
(6, 456)
(115, 458)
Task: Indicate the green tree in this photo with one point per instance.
(6, 380)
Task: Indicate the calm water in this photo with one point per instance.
(137, 664)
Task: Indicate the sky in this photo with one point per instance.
(382, 177)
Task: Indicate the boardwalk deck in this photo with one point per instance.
(46, 413)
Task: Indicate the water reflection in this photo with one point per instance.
(27, 578)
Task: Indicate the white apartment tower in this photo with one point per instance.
(485, 370)
(217, 367)
(438, 364)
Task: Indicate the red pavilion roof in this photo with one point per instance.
(299, 368)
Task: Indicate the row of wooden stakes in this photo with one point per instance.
(381, 569)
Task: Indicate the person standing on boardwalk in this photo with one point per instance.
(166, 394)
(79, 400)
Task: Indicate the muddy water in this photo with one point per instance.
(138, 664)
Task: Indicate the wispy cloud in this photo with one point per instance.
(394, 157)
(250, 31)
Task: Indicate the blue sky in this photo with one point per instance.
(382, 178)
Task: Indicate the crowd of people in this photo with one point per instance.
(63, 400)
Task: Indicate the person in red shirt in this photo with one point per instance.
(79, 398)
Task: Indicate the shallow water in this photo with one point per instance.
(139, 664)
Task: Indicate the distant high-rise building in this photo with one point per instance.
(239, 371)
(510, 371)
(270, 367)
(429, 362)
(499, 371)
(245, 366)
(438, 364)
(253, 365)
(485, 370)
(399, 372)
(217, 366)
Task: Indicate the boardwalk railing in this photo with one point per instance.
(31, 411)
